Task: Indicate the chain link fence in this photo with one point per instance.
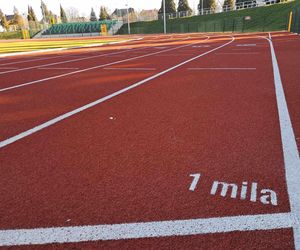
(295, 25)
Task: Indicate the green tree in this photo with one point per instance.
(183, 5)
(45, 12)
(213, 5)
(228, 5)
(170, 7)
(103, 14)
(31, 15)
(207, 4)
(3, 21)
(63, 15)
(93, 17)
(18, 19)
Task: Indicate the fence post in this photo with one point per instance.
(290, 21)
(224, 22)
(233, 24)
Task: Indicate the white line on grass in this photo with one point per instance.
(221, 68)
(40, 236)
(289, 147)
(95, 67)
(103, 99)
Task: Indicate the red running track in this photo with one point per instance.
(129, 159)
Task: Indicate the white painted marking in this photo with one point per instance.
(95, 67)
(221, 68)
(201, 46)
(8, 68)
(130, 68)
(68, 61)
(60, 68)
(240, 53)
(33, 60)
(196, 178)
(246, 45)
(179, 54)
(40, 236)
(289, 147)
(103, 99)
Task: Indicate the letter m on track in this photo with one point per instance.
(224, 187)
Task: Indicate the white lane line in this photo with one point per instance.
(238, 53)
(39, 236)
(32, 60)
(130, 68)
(246, 45)
(68, 61)
(59, 68)
(103, 99)
(95, 67)
(289, 147)
(8, 68)
(221, 68)
(179, 54)
(201, 46)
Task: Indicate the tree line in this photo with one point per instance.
(48, 16)
(183, 5)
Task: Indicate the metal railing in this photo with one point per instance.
(241, 6)
(295, 22)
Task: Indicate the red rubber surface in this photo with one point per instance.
(129, 158)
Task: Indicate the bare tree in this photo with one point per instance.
(72, 14)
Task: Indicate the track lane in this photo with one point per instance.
(57, 97)
(95, 143)
(83, 62)
(181, 144)
(29, 64)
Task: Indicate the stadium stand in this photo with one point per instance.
(78, 28)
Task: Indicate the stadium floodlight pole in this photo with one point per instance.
(202, 7)
(165, 21)
(128, 23)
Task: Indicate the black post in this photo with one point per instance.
(233, 24)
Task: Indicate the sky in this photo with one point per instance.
(84, 6)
